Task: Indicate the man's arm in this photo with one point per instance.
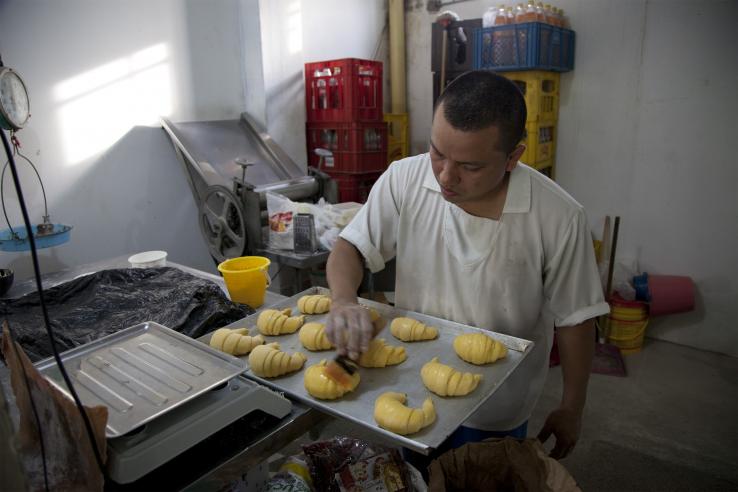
(344, 271)
(348, 327)
(576, 351)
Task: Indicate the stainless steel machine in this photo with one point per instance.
(230, 165)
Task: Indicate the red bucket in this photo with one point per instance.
(670, 294)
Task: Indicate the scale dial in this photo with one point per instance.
(15, 108)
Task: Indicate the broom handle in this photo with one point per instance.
(605, 247)
(611, 266)
(610, 269)
(444, 47)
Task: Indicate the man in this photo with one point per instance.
(485, 241)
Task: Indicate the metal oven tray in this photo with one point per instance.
(358, 406)
(140, 373)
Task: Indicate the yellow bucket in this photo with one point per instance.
(627, 335)
(630, 313)
(247, 279)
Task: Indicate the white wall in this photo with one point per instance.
(294, 32)
(99, 75)
(646, 126)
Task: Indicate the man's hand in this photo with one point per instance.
(565, 425)
(576, 349)
(349, 328)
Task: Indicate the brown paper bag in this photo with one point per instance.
(70, 461)
(500, 465)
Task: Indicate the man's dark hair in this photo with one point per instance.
(480, 99)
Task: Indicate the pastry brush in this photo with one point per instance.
(341, 369)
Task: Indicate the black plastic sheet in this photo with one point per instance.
(108, 301)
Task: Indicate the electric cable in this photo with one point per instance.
(47, 323)
(279, 270)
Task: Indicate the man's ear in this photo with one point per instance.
(515, 155)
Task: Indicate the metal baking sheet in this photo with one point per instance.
(358, 406)
(140, 373)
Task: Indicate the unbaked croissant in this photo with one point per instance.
(314, 304)
(392, 414)
(273, 322)
(444, 380)
(412, 330)
(380, 354)
(269, 362)
(313, 337)
(375, 318)
(320, 385)
(479, 348)
(234, 342)
(373, 313)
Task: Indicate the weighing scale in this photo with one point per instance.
(15, 111)
(165, 393)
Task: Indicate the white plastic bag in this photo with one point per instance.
(329, 220)
(622, 277)
(281, 211)
(328, 239)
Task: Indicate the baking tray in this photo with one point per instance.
(140, 373)
(358, 406)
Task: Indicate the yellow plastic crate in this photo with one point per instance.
(397, 151)
(542, 164)
(397, 127)
(541, 91)
(549, 171)
(540, 142)
(546, 167)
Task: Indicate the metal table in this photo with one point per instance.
(263, 445)
(293, 267)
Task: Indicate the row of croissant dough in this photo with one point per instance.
(390, 410)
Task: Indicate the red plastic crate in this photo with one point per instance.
(349, 89)
(348, 137)
(355, 187)
(350, 162)
(356, 147)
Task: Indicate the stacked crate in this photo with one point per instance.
(344, 115)
(531, 54)
(541, 92)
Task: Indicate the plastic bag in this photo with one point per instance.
(293, 476)
(281, 212)
(285, 481)
(108, 301)
(344, 463)
(329, 220)
(328, 239)
(622, 276)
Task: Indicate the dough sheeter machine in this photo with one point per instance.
(230, 166)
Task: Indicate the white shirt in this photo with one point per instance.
(521, 275)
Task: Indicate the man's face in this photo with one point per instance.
(469, 166)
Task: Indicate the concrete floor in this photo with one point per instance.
(671, 425)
